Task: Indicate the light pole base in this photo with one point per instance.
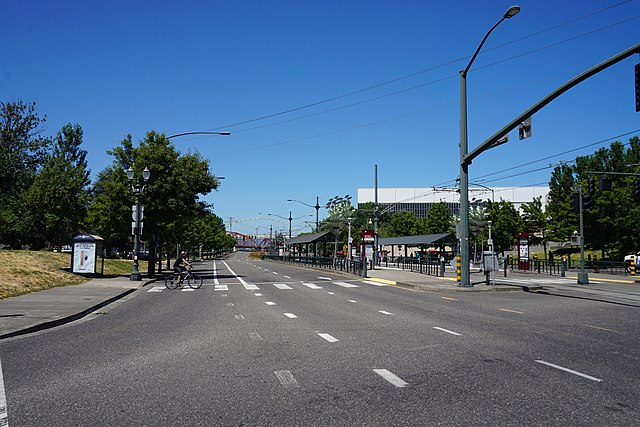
(136, 277)
(583, 278)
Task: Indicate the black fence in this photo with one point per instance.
(558, 266)
(353, 266)
(422, 266)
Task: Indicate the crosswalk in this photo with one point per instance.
(280, 286)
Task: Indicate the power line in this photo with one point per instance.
(355, 92)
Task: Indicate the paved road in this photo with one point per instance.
(263, 343)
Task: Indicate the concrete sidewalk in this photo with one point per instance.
(56, 306)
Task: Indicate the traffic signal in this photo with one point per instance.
(636, 190)
(575, 203)
(588, 198)
(524, 130)
(606, 184)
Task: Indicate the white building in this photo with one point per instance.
(420, 200)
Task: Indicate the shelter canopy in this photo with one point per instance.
(440, 239)
(325, 236)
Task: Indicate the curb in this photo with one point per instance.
(72, 317)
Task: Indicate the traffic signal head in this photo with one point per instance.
(588, 197)
(606, 184)
(575, 203)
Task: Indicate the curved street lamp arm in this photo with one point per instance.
(198, 133)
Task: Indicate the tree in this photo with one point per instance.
(506, 224)
(57, 200)
(534, 221)
(22, 152)
(402, 224)
(561, 219)
(439, 219)
(171, 197)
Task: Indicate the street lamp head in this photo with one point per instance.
(146, 174)
(130, 173)
(511, 12)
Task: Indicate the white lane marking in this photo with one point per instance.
(282, 286)
(254, 336)
(391, 377)
(385, 312)
(257, 294)
(312, 286)
(330, 293)
(287, 277)
(446, 330)
(215, 273)
(270, 303)
(328, 337)
(239, 316)
(353, 301)
(286, 379)
(188, 290)
(156, 289)
(325, 278)
(291, 315)
(221, 287)
(345, 284)
(374, 283)
(4, 412)
(240, 279)
(274, 272)
(589, 377)
(230, 304)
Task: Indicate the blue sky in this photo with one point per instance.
(348, 84)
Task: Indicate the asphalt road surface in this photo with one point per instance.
(269, 344)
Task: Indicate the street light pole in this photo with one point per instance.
(137, 213)
(463, 232)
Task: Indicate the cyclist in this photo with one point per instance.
(179, 266)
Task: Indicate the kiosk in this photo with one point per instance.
(86, 249)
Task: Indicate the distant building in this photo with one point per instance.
(420, 200)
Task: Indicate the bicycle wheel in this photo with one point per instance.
(171, 282)
(195, 281)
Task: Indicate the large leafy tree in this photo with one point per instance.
(561, 219)
(23, 150)
(506, 224)
(534, 221)
(440, 219)
(57, 200)
(171, 197)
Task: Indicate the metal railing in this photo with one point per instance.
(557, 266)
(353, 266)
(429, 267)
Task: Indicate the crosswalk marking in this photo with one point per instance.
(370, 282)
(286, 379)
(221, 288)
(157, 289)
(250, 287)
(324, 278)
(312, 286)
(282, 286)
(291, 315)
(345, 284)
(188, 290)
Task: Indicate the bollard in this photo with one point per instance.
(442, 267)
(459, 268)
(632, 267)
(563, 267)
(506, 265)
(595, 263)
(364, 268)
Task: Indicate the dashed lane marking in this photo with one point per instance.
(447, 331)
(286, 379)
(291, 315)
(371, 282)
(312, 286)
(449, 299)
(571, 371)
(282, 286)
(221, 288)
(391, 377)
(328, 337)
(600, 328)
(510, 311)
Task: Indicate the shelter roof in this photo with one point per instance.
(325, 236)
(424, 239)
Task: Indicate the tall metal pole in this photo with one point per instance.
(463, 228)
(583, 277)
(375, 219)
(135, 271)
(290, 224)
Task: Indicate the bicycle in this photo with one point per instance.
(193, 280)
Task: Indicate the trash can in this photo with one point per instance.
(84, 256)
